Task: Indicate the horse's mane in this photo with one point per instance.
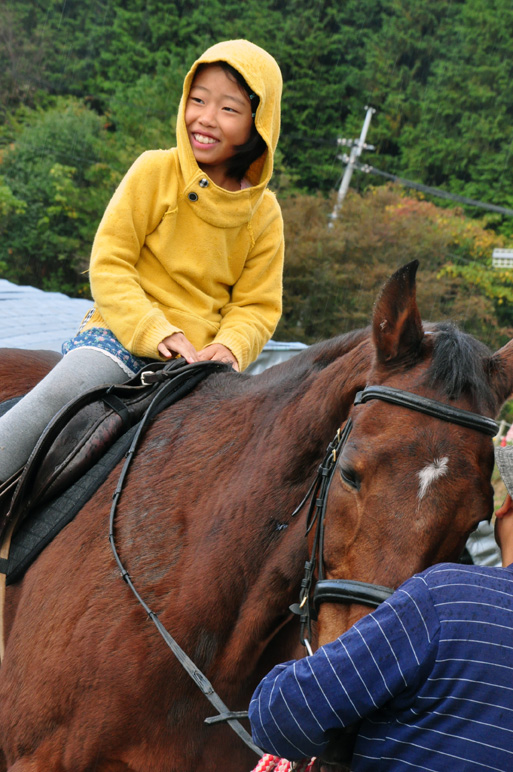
(316, 357)
(459, 365)
(289, 376)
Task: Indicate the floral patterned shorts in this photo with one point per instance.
(104, 340)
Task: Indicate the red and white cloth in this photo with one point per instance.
(269, 763)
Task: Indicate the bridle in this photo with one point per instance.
(350, 590)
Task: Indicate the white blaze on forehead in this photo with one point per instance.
(432, 472)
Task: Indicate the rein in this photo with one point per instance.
(349, 590)
(179, 385)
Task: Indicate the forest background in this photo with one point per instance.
(87, 86)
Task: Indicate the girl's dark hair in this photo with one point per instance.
(255, 146)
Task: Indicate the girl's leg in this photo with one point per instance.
(22, 425)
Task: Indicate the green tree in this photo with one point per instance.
(463, 136)
(400, 53)
(142, 115)
(59, 184)
(24, 47)
(438, 72)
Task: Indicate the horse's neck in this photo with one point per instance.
(235, 495)
(262, 630)
(303, 429)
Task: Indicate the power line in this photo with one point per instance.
(433, 191)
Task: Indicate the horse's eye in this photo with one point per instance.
(349, 476)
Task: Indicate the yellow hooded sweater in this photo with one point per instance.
(176, 253)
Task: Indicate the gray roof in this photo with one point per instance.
(33, 319)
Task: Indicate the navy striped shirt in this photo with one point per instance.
(429, 674)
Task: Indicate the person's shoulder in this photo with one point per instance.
(422, 589)
(448, 572)
(156, 159)
(440, 573)
(270, 200)
(443, 575)
(154, 171)
(455, 569)
(267, 212)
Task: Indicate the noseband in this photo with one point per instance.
(348, 590)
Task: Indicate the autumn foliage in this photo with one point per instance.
(332, 274)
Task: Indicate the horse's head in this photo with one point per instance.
(408, 487)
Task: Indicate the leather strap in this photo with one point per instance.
(117, 404)
(432, 407)
(350, 591)
(222, 717)
(4, 555)
(200, 370)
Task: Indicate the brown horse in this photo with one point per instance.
(205, 531)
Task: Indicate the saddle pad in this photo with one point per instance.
(5, 406)
(44, 523)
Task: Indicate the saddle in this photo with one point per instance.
(87, 427)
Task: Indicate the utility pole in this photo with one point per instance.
(356, 150)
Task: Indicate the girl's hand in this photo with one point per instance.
(175, 344)
(219, 353)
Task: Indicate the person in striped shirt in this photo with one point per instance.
(427, 677)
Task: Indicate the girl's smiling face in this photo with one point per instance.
(218, 119)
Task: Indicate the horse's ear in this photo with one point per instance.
(396, 323)
(500, 368)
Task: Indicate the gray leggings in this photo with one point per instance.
(23, 424)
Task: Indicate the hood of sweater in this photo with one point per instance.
(213, 204)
